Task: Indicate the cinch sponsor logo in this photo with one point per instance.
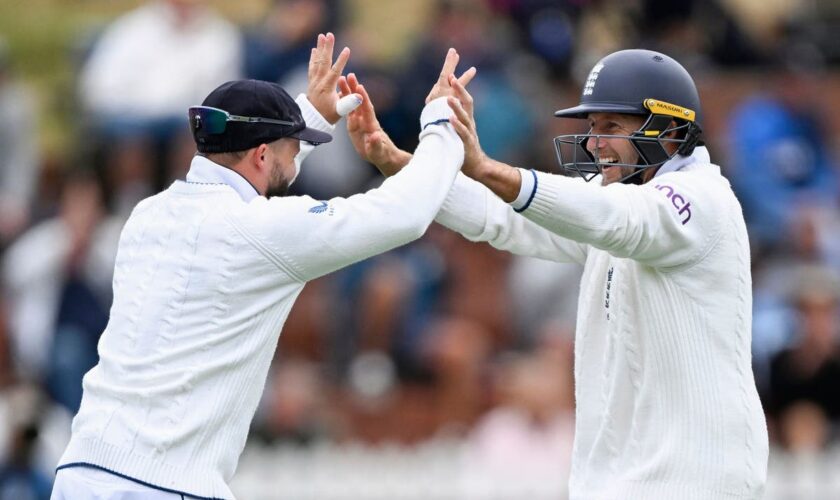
(680, 203)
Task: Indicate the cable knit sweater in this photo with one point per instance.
(205, 276)
(667, 407)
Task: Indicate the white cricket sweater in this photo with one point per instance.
(667, 407)
(203, 282)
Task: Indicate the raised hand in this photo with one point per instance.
(442, 86)
(463, 122)
(369, 139)
(366, 134)
(324, 75)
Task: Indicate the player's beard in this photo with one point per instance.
(614, 174)
(278, 185)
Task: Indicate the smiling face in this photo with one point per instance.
(613, 149)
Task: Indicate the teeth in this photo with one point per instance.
(608, 159)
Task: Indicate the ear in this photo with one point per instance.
(673, 133)
(259, 160)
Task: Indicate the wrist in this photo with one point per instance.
(502, 179)
(479, 170)
(396, 160)
(312, 114)
(324, 107)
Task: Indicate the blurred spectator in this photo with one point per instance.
(278, 50)
(603, 27)
(282, 41)
(809, 242)
(58, 281)
(6, 371)
(477, 286)
(458, 350)
(397, 295)
(19, 155)
(145, 70)
(527, 438)
(547, 27)
(804, 378)
(763, 22)
(411, 345)
(20, 478)
(696, 33)
(544, 293)
(293, 409)
(503, 117)
(781, 160)
(448, 401)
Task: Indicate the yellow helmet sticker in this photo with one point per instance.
(666, 108)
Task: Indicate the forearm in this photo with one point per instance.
(397, 212)
(471, 210)
(397, 159)
(642, 223)
(500, 178)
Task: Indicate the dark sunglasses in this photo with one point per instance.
(214, 120)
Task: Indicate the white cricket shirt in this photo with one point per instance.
(666, 403)
(205, 276)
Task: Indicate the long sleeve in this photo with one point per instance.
(671, 221)
(472, 210)
(313, 119)
(309, 238)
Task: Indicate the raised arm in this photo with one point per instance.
(469, 209)
(651, 223)
(309, 238)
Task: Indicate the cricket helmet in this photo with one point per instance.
(637, 82)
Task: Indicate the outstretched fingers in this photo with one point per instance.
(322, 40)
(460, 129)
(343, 57)
(366, 110)
(461, 113)
(461, 92)
(352, 81)
(449, 65)
(316, 56)
(329, 44)
(467, 76)
(343, 86)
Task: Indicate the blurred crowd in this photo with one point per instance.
(443, 337)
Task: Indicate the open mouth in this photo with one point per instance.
(607, 160)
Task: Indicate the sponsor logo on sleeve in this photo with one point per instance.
(679, 202)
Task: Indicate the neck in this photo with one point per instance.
(235, 162)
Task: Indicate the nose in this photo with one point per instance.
(593, 144)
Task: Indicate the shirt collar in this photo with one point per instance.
(678, 162)
(204, 171)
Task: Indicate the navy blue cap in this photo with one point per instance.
(255, 98)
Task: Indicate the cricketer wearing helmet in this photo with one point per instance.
(667, 406)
